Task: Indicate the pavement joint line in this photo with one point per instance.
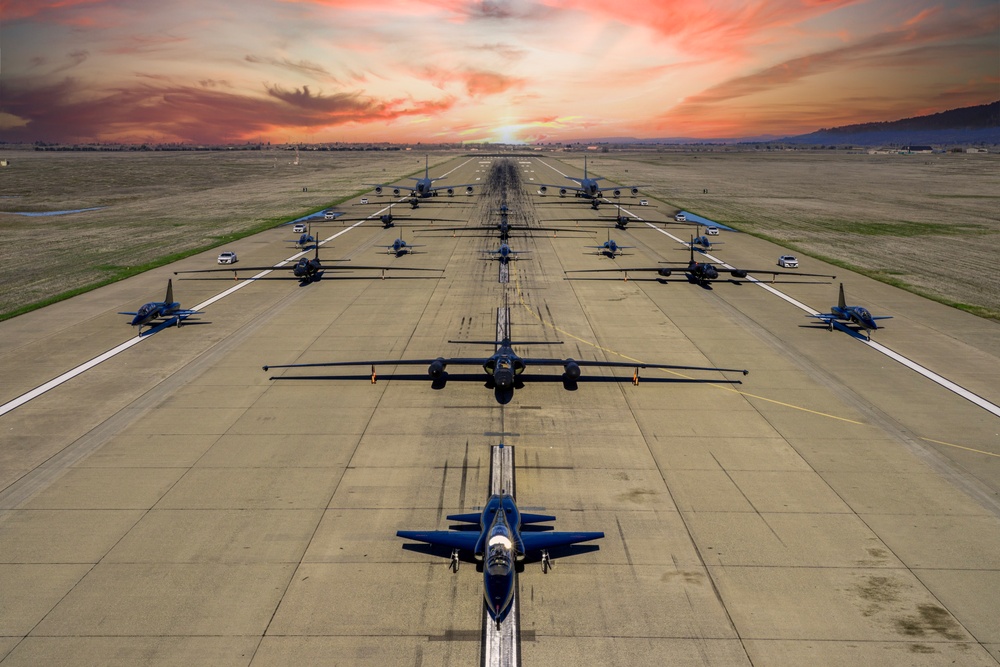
(115, 351)
(517, 285)
(892, 354)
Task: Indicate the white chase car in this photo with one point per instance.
(329, 215)
(680, 217)
(788, 262)
(227, 257)
(299, 228)
(712, 231)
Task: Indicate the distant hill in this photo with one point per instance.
(979, 124)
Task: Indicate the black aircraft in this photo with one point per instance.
(504, 366)
(621, 220)
(305, 270)
(851, 314)
(610, 248)
(167, 310)
(587, 187)
(505, 537)
(702, 273)
(424, 187)
(388, 220)
(504, 227)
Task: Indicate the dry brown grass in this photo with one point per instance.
(930, 223)
(157, 205)
(927, 222)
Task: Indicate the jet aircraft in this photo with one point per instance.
(610, 248)
(703, 244)
(621, 220)
(851, 314)
(504, 253)
(168, 310)
(424, 187)
(503, 367)
(306, 269)
(505, 537)
(702, 273)
(400, 247)
(587, 187)
(388, 220)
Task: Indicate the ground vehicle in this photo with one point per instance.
(227, 257)
(299, 228)
(329, 215)
(680, 217)
(788, 262)
(712, 231)
(364, 200)
(643, 202)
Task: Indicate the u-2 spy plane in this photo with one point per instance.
(587, 187)
(305, 270)
(505, 537)
(424, 187)
(388, 220)
(167, 310)
(701, 273)
(851, 314)
(503, 367)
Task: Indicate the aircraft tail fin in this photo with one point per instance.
(843, 302)
(169, 298)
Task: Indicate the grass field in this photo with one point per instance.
(156, 207)
(929, 223)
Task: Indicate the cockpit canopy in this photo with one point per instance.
(499, 558)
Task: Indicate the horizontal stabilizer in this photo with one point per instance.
(473, 517)
(536, 518)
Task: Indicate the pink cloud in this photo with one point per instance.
(163, 112)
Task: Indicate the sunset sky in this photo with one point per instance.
(201, 71)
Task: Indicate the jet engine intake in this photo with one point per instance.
(562, 192)
(543, 189)
(436, 369)
(378, 190)
(616, 192)
(739, 273)
(664, 272)
(572, 370)
(451, 191)
(504, 378)
(634, 191)
(395, 192)
(468, 190)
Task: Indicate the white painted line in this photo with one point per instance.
(895, 356)
(87, 365)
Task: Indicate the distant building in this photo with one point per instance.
(918, 149)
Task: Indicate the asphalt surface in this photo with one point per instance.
(176, 505)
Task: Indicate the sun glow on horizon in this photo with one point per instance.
(514, 72)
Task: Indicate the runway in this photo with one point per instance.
(174, 505)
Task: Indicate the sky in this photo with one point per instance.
(519, 71)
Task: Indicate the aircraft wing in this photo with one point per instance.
(547, 540)
(452, 539)
(625, 364)
(562, 186)
(458, 361)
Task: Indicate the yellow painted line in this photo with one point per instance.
(968, 449)
(520, 297)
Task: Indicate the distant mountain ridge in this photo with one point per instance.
(978, 124)
(967, 125)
